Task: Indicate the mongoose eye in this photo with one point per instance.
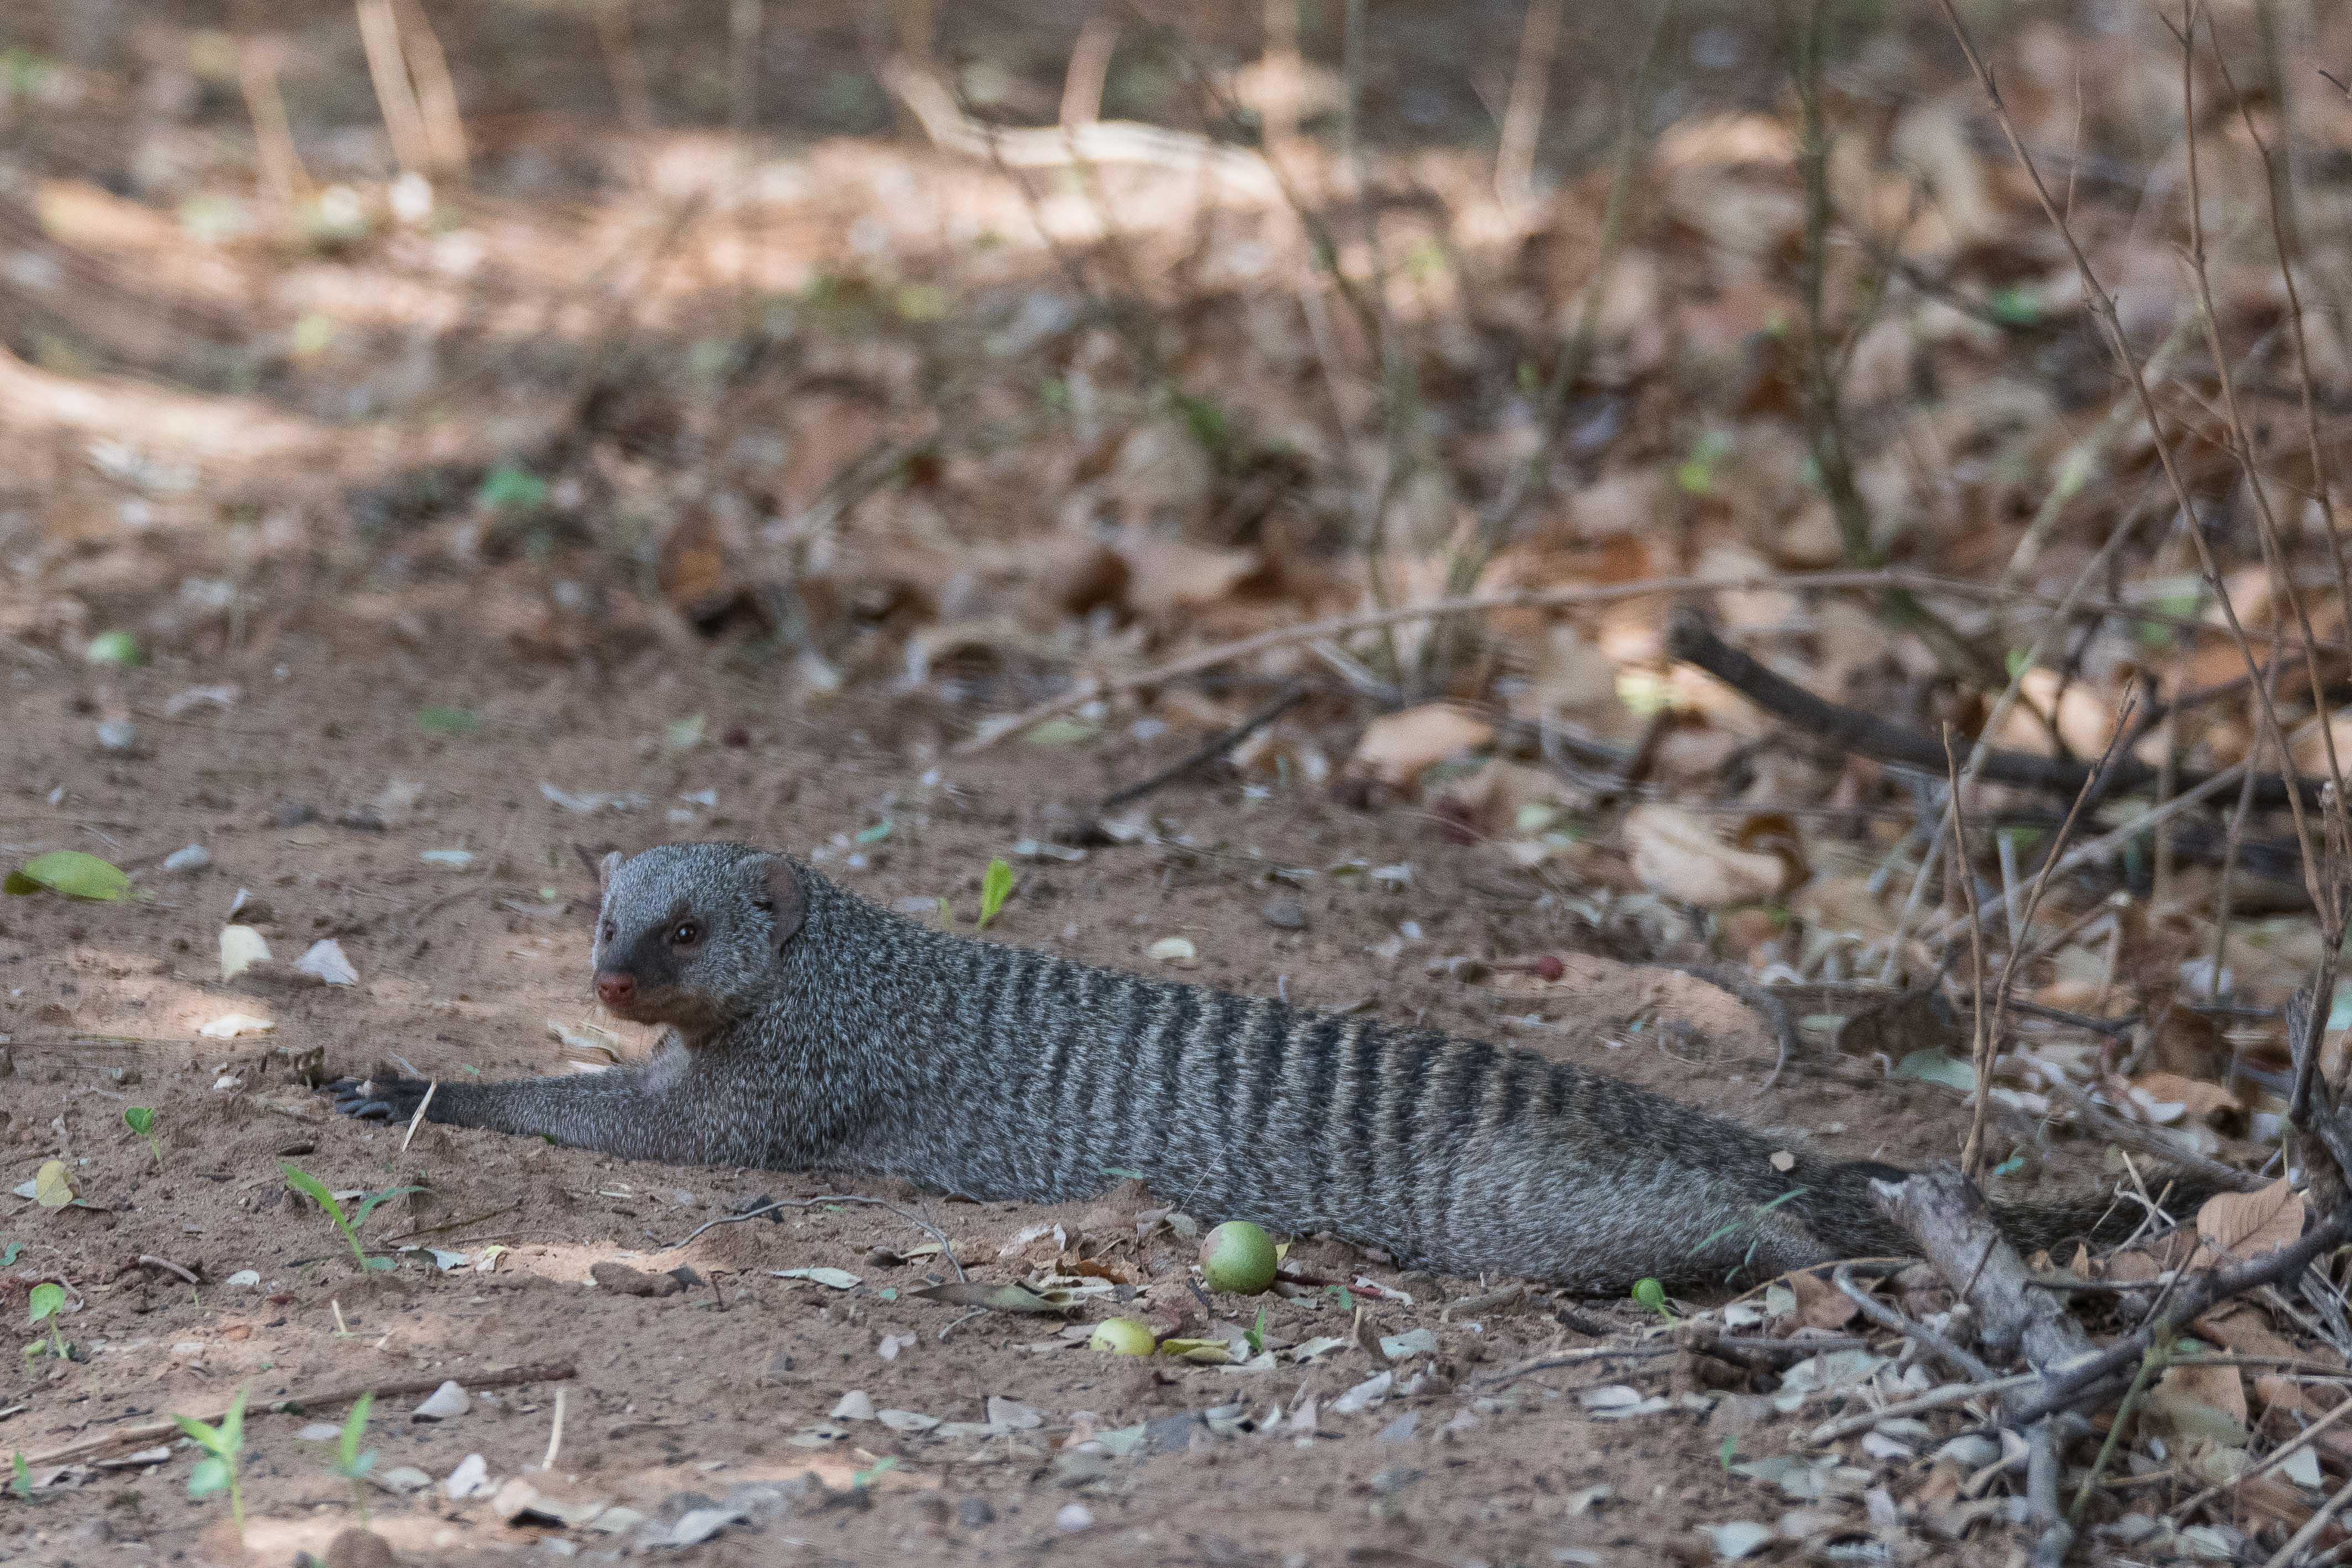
(686, 935)
(610, 930)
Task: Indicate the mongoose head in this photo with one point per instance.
(690, 934)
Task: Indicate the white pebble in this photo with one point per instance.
(194, 858)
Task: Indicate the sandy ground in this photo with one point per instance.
(723, 1393)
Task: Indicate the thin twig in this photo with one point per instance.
(998, 730)
(1933, 1399)
(1887, 1317)
(555, 1433)
(153, 1262)
(2311, 1528)
(1981, 1043)
(947, 1248)
(418, 1119)
(1209, 752)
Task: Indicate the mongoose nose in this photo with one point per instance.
(615, 990)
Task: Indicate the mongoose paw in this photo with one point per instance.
(378, 1097)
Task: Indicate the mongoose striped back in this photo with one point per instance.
(812, 1029)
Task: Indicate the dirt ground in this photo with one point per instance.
(733, 1383)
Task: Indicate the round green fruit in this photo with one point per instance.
(1123, 1336)
(1238, 1257)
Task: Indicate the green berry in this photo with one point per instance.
(1238, 1257)
(1123, 1336)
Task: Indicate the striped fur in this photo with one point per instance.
(869, 1042)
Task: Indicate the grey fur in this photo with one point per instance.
(810, 1029)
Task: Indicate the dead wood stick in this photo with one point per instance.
(311, 1400)
(998, 730)
(1202, 755)
(1945, 1214)
(1943, 1211)
(1691, 640)
(2204, 1291)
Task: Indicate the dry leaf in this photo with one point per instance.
(2237, 1225)
(1678, 854)
(241, 947)
(2203, 1101)
(1820, 1303)
(2199, 1401)
(1398, 748)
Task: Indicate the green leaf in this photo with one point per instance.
(1257, 1335)
(51, 1190)
(1652, 1295)
(381, 1265)
(2014, 307)
(310, 1186)
(1346, 1298)
(8, 1254)
(684, 734)
(205, 1434)
(354, 1431)
(876, 834)
(1728, 1450)
(995, 887)
(48, 1301)
(210, 1476)
(437, 720)
(22, 1483)
(233, 1429)
(509, 489)
(865, 1477)
(119, 649)
(947, 913)
(2009, 1166)
(139, 1119)
(1063, 732)
(1935, 1067)
(71, 873)
(368, 1204)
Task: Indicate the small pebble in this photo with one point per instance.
(1073, 1517)
(194, 858)
(974, 1511)
(117, 734)
(1283, 914)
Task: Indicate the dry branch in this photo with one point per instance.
(306, 1403)
(1692, 641)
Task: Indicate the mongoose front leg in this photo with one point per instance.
(620, 1112)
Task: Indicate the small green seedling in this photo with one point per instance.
(9, 1251)
(1652, 1295)
(20, 1476)
(351, 1462)
(48, 1301)
(1761, 1210)
(995, 887)
(310, 1186)
(1257, 1334)
(216, 1471)
(141, 1119)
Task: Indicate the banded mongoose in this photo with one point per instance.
(810, 1029)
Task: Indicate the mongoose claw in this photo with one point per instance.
(380, 1097)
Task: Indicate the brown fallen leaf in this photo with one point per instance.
(2237, 1225)
(2206, 1101)
(1396, 749)
(2200, 1400)
(1678, 854)
(1820, 1303)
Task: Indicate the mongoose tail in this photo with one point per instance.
(810, 1029)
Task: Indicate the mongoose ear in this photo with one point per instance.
(785, 900)
(605, 870)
